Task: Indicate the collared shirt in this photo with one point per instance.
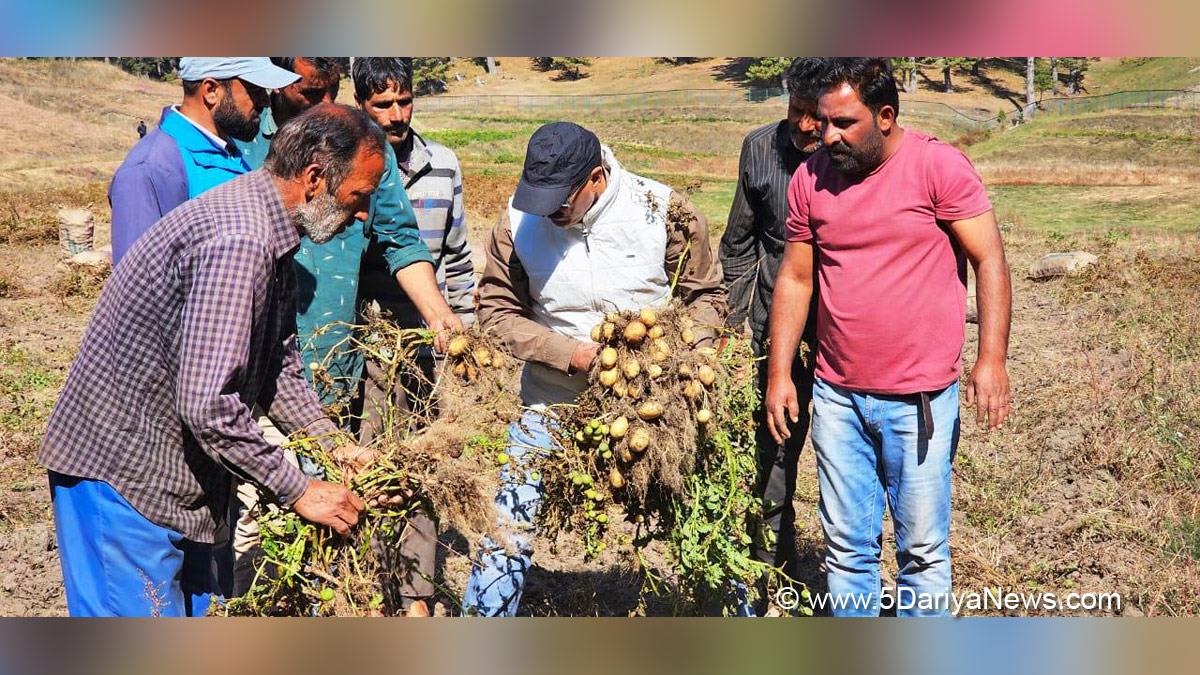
(175, 162)
(328, 274)
(195, 328)
(216, 140)
(433, 181)
(752, 245)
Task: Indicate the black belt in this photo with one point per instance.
(926, 416)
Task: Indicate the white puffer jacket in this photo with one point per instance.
(611, 261)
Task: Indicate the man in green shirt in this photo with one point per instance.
(327, 274)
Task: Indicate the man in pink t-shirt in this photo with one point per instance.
(893, 216)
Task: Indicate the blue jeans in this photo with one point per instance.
(870, 448)
(115, 562)
(497, 578)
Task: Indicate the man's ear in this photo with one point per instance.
(312, 177)
(211, 90)
(596, 174)
(886, 119)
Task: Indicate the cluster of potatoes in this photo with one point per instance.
(469, 357)
(636, 361)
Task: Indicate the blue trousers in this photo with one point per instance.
(498, 578)
(115, 562)
(872, 454)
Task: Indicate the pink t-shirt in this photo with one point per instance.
(892, 280)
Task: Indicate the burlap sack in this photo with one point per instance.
(76, 228)
(1062, 264)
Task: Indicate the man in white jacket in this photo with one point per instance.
(581, 237)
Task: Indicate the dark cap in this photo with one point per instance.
(558, 160)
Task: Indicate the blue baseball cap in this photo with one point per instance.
(257, 70)
(558, 160)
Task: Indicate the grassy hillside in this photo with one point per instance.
(67, 122)
(1126, 74)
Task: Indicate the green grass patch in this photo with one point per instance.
(454, 138)
(25, 381)
(655, 151)
(1185, 537)
(1067, 210)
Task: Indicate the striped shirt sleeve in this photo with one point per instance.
(460, 270)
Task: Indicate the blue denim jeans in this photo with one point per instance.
(498, 576)
(871, 448)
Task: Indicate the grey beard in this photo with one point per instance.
(322, 218)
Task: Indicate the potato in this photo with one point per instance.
(615, 479)
(706, 375)
(483, 356)
(635, 332)
(659, 350)
(608, 331)
(597, 332)
(458, 345)
(498, 361)
(609, 377)
(639, 439)
(648, 317)
(619, 427)
(655, 332)
(608, 357)
(621, 389)
(650, 410)
(703, 415)
(626, 455)
(685, 370)
(460, 369)
(472, 373)
(692, 390)
(631, 368)
(654, 370)
(689, 337)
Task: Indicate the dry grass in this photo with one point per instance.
(1061, 171)
(90, 107)
(31, 216)
(79, 281)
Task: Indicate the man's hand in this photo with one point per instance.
(329, 504)
(354, 457)
(585, 354)
(988, 390)
(783, 407)
(442, 325)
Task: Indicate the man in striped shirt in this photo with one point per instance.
(433, 180)
(750, 253)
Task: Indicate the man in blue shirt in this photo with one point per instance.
(192, 149)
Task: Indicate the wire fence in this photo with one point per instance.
(765, 103)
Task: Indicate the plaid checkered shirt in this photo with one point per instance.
(195, 327)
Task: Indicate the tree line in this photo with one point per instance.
(1056, 75)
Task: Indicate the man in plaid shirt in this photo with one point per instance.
(195, 327)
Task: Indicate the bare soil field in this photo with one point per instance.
(1090, 487)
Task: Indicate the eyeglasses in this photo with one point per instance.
(571, 199)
